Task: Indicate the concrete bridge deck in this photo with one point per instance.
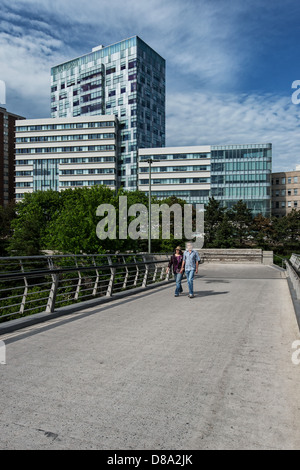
(162, 373)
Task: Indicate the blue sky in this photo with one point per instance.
(230, 63)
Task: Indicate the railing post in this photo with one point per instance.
(25, 293)
(137, 273)
(53, 289)
(126, 275)
(97, 279)
(79, 282)
(112, 278)
(144, 284)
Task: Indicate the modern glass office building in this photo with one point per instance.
(126, 79)
(229, 173)
(242, 172)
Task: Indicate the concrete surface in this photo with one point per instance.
(157, 372)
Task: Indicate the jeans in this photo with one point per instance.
(190, 278)
(178, 278)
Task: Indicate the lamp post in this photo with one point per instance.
(149, 208)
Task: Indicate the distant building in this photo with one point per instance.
(7, 156)
(285, 192)
(126, 79)
(65, 153)
(228, 172)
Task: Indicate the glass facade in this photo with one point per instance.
(229, 174)
(127, 80)
(242, 172)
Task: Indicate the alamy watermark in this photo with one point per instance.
(2, 92)
(2, 353)
(138, 227)
(296, 93)
(296, 354)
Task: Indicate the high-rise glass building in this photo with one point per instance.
(126, 79)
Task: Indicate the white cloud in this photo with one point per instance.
(209, 47)
(198, 119)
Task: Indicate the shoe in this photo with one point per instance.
(176, 295)
(191, 296)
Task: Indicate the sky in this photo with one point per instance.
(230, 63)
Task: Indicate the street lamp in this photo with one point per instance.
(149, 208)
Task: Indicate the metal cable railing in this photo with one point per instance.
(35, 284)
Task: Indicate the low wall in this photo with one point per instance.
(220, 255)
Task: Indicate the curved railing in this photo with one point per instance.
(293, 271)
(35, 284)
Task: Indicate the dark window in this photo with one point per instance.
(123, 90)
(62, 86)
(132, 64)
(109, 71)
(112, 93)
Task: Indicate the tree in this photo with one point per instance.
(241, 218)
(34, 213)
(262, 231)
(224, 234)
(7, 215)
(73, 228)
(214, 214)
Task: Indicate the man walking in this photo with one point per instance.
(190, 264)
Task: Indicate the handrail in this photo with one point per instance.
(19, 275)
(44, 285)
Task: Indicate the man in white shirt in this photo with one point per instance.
(190, 264)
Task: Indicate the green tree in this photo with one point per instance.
(34, 213)
(7, 215)
(73, 228)
(214, 214)
(241, 218)
(224, 235)
(262, 231)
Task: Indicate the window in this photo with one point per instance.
(277, 205)
(295, 203)
(282, 180)
(111, 70)
(289, 192)
(283, 204)
(277, 181)
(295, 179)
(283, 192)
(295, 191)
(123, 90)
(289, 180)
(289, 204)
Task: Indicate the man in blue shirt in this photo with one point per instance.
(190, 264)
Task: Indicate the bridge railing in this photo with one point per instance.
(293, 271)
(35, 284)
